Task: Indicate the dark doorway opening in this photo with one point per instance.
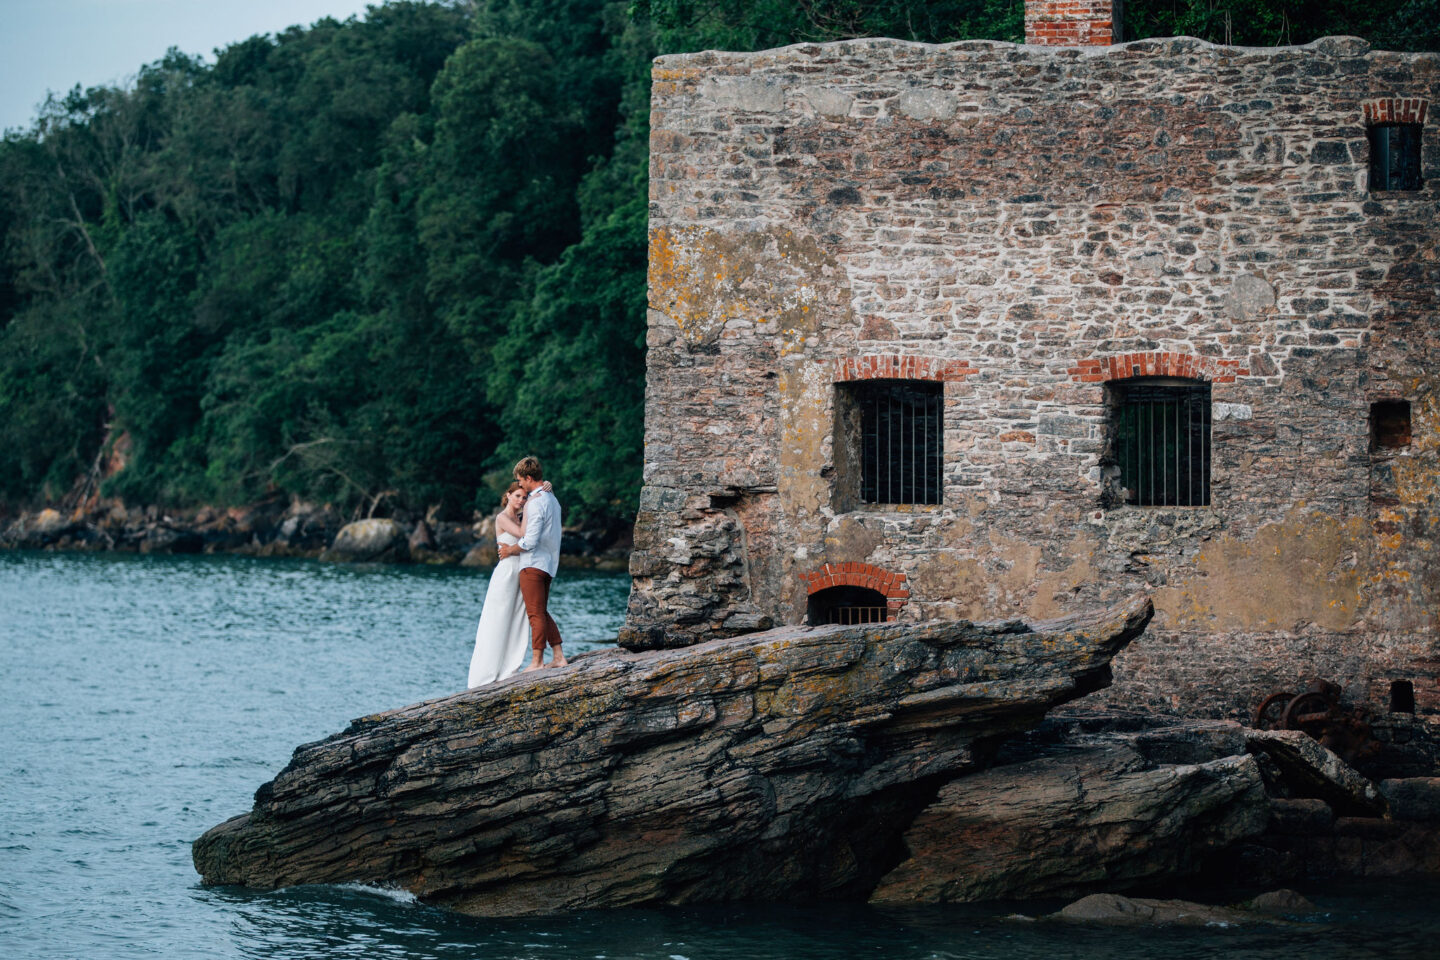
(1402, 696)
(1389, 425)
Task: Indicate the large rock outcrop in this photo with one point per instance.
(1096, 817)
(785, 764)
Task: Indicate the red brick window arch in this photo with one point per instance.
(890, 366)
(854, 592)
(1157, 363)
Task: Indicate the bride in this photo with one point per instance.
(502, 641)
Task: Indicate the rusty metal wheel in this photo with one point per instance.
(1306, 710)
(1271, 712)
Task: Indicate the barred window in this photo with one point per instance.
(847, 605)
(889, 437)
(1395, 156)
(1161, 441)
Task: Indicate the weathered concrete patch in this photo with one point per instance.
(1283, 576)
(828, 101)
(744, 93)
(923, 103)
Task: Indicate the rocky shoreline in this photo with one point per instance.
(1095, 800)
(782, 765)
(894, 763)
(288, 528)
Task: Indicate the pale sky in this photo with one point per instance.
(51, 45)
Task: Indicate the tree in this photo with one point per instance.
(396, 253)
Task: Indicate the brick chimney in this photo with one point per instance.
(1072, 23)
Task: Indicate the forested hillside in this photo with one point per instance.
(372, 262)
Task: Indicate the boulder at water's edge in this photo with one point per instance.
(366, 541)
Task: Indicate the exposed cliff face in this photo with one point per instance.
(785, 764)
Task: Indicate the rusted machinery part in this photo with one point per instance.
(1270, 714)
(1309, 709)
(1319, 712)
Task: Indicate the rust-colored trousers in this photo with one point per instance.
(535, 590)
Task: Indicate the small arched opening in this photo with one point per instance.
(853, 592)
(847, 605)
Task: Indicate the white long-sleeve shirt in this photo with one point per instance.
(541, 544)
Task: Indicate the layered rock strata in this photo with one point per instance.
(785, 764)
(1096, 817)
(1054, 816)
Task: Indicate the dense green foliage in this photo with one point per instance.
(374, 262)
(368, 262)
(756, 24)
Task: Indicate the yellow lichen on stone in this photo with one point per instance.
(703, 279)
(658, 74)
(689, 284)
(1417, 476)
(805, 428)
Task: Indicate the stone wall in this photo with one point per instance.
(1025, 225)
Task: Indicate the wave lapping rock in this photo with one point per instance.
(785, 764)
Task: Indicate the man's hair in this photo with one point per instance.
(530, 467)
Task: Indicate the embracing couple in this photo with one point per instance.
(515, 617)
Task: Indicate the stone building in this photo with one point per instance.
(991, 330)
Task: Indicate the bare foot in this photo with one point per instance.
(534, 665)
(558, 660)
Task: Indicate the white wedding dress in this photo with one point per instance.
(502, 641)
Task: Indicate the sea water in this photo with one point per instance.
(143, 699)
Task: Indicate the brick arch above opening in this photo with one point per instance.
(1395, 110)
(889, 366)
(856, 574)
(1157, 363)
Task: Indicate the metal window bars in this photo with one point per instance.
(1395, 156)
(1162, 443)
(847, 605)
(901, 439)
(851, 615)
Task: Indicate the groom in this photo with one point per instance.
(541, 546)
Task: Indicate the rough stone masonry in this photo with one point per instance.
(1031, 227)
